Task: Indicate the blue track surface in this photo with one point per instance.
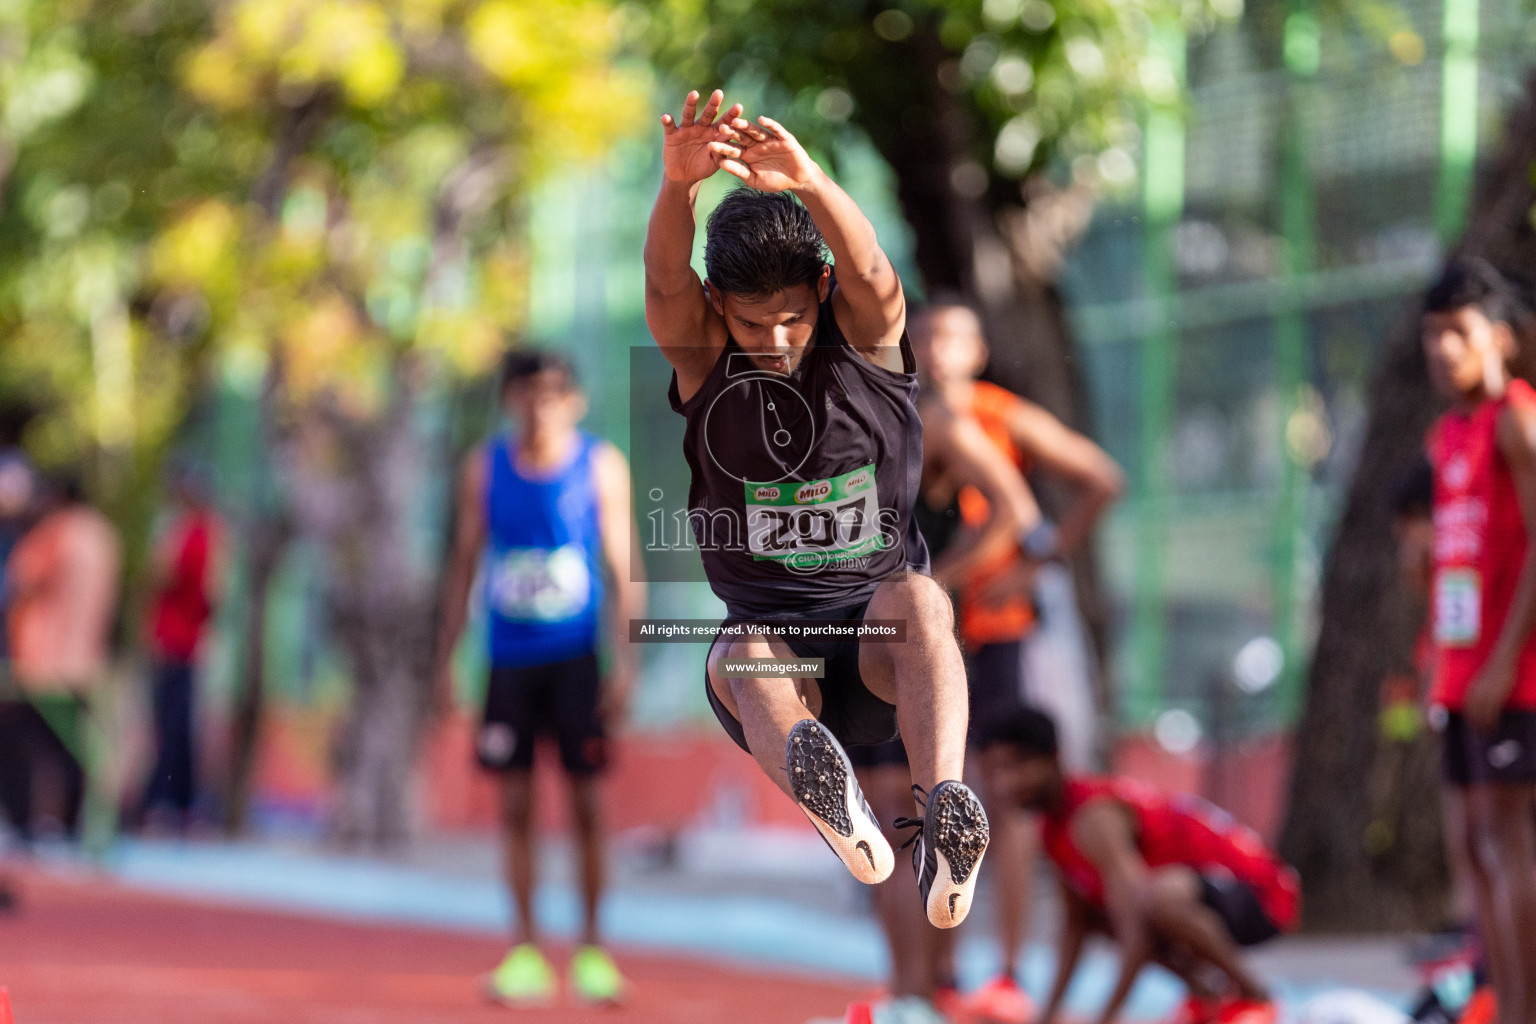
(752, 930)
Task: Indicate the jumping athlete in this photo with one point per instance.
(805, 451)
(1171, 879)
(547, 513)
(1484, 605)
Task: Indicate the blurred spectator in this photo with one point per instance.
(545, 509)
(185, 570)
(999, 601)
(62, 581)
(16, 493)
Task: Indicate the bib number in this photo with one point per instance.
(807, 525)
(1458, 607)
(540, 584)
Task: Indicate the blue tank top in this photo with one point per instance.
(543, 576)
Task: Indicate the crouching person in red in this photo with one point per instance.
(1171, 879)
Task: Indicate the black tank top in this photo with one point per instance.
(938, 525)
(803, 487)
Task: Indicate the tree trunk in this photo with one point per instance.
(269, 529)
(995, 244)
(353, 485)
(267, 533)
(1370, 620)
(266, 539)
(376, 758)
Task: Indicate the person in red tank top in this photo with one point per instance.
(1483, 696)
(187, 580)
(1171, 879)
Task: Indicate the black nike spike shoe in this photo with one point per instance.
(822, 780)
(951, 839)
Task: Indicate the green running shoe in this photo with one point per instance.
(523, 978)
(595, 978)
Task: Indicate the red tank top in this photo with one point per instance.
(1173, 830)
(182, 607)
(1480, 543)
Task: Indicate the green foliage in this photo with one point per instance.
(1041, 86)
(388, 143)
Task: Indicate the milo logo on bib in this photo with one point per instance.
(810, 524)
(815, 493)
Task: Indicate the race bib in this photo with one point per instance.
(1458, 607)
(808, 525)
(540, 584)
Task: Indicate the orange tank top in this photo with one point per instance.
(992, 407)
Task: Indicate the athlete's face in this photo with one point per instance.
(1019, 777)
(1466, 351)
(545, 404)
(774, 330)
(948, 344)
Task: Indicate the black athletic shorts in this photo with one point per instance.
(848, 709)
(559, 699)
(1508, 754)
(1238, 906)
(995, 676)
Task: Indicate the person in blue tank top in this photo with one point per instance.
(544, 515)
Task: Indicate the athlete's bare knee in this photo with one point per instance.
(1168, 895)
(723, 685)
(918, 599)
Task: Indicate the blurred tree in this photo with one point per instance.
(1002, 121)
(371, 247)
(80, 165)
(326, 193)
(1369, 617)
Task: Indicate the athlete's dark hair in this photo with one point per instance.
(522, 363)
(1025, 728)
(757, 243)
(1472, 281)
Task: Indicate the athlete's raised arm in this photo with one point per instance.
(677, 312)
(868, 302)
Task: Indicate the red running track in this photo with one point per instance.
(90, 952)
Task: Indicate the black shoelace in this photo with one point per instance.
(921, 796)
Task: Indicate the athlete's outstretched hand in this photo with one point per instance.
(765, 156)
(685, 149)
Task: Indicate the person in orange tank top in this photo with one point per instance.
(996, 600)
(1483, 697)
